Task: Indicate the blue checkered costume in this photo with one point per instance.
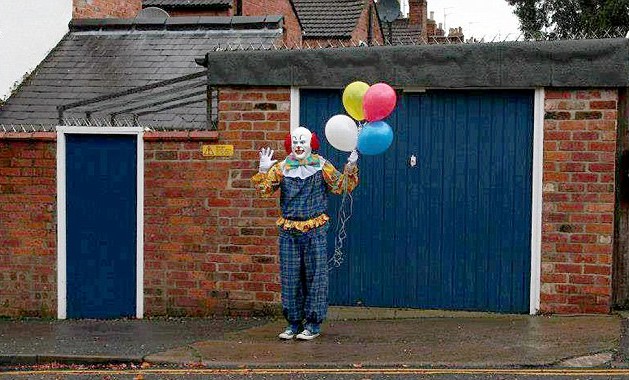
(303, 235)
(303, 255)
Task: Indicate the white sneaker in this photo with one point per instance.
(307, 335)
(288, 334)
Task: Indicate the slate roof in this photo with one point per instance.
(187, 3)
(328, 18)
(402, 32)
(103, 56)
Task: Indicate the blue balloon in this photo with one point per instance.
(374, 138)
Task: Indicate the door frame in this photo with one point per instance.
(537, 178)
(61, 210)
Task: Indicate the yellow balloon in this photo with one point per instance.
(353, 99)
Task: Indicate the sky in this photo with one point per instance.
(29, 29)
(488, 18)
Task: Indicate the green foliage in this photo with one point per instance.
(570, 18)
(15, 87)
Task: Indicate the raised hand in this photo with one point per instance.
(266, 161)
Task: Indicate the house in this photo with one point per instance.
(508, 208)
(312, 22)
(418, 27)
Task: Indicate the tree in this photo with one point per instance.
(571, 18)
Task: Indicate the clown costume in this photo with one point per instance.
(304, 179)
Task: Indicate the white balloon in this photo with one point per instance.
(342, 132)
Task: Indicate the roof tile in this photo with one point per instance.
(328, 18)
(187, 3)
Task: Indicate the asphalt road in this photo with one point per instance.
(306, 374)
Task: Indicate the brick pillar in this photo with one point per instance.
(578, 200)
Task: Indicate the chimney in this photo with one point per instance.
(105, 8)
(440, 32)
(432, 15)
(431, 27)
(418, 13)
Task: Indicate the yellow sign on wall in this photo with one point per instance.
(217, 150)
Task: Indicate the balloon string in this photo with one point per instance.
(343, 216)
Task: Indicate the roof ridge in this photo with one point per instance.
(178, 23)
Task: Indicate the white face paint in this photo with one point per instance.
(300, 143)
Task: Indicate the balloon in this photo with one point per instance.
(353, 99)
(379, 101)
(342, 132)
(375, 138)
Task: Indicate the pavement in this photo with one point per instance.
(351, 337)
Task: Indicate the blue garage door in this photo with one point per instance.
(101, 225)
(452, 232)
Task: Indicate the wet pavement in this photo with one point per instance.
(492, 341)
(470, 340)
(103, 341)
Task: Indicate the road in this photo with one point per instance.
(311, 374)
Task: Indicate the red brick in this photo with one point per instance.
(599, 167)
(602, 146)
(597, 269)
(584, 177)
(581, 279)
(572, 145)
(603, 105)
(553, 298)
(589, 94)
(585, 156)
(568, 268)
(558, 94)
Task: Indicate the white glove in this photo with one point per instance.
(266, 155)
(353, 157)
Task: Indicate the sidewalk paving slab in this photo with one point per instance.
(490, 341)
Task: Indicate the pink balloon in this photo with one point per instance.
(379, 101)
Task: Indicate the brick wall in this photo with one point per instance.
(27, 225)
(292, 29)
(210, 241)
(578, 200)
(105, 8)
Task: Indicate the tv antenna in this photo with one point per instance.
(152, 12)
(389, 11)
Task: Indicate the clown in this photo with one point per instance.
(304, 179)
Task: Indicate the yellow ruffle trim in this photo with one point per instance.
(303, 225)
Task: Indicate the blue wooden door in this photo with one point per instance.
(452, 232)
(101, 193)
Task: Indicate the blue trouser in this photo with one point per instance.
(304, 274)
